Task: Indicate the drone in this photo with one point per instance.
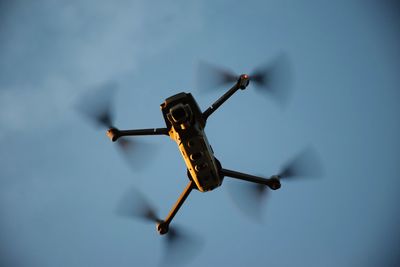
(185, 124)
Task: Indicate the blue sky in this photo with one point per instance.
(61, 179)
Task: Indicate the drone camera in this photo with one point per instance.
(180, 113)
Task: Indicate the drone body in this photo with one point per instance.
(186, 127)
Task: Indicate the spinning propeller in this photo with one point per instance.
(306, 164)
(180, 246)
(273, 78)
(96, 105)
(248, 197)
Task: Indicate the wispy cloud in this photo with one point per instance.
(52, 51)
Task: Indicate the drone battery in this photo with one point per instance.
(200, 162)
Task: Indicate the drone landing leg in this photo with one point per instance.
(272, 182)
(241, 84)
(163, 226)
(114, 133)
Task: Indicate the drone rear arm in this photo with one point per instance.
(242, 83)
(114, 133)
(272, 182)
(163, 226)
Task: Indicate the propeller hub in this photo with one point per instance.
(274, 183)
(243, 81)
(112, 133)
(162, 228)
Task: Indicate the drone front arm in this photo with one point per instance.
(272, 182)
(114, 133)
(242, 83)
(163, 226)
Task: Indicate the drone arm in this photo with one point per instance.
(272, 182)
(162, 227)
(114, 133)
(240, 84)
